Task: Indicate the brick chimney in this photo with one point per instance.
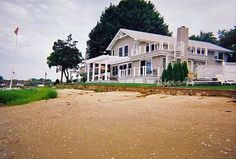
(182, 40)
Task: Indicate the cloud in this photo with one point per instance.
(43, 22)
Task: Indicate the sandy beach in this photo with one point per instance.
(119, 125)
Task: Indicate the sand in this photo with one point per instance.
(119, 125)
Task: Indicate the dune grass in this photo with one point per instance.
(23, 96)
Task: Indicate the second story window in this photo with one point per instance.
(164, 63)
(203, 51)
(120, 51)
(198, 51)
(152, 47)
(126, 50)
(165, 46)
(147, 47)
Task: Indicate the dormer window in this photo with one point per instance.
(198, 51)
(152, 47)
(126, 50)
(147, 47)
(121, 51)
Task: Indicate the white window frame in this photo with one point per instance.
(124, 50)
(119, 51)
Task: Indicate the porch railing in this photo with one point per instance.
(139, 71)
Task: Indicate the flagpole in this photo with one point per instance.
(13, 64)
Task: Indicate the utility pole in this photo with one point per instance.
(45, 78)
(14, 56)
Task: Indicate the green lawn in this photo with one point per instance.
(22, 96)
(220, 87)
(121, 84)
(217, 87)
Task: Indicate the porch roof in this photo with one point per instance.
(103, 59)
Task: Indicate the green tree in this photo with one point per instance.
(1, 78)
(137, 15)
(176, 73)
(185, 69)
(169, 72)
(181, 72)
(164, 76)
(65, 56)
(227, 39)
(205, 36)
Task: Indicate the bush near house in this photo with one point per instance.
(23, 96)
(174, 74)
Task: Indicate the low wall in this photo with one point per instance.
(155, 90)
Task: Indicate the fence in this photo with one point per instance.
(227, 70)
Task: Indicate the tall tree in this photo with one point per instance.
(137, 15)
(205, 36)
(65, 56)
(169, 72)
(176, 74)
(181, 72)
(185, 69)
(227, 39)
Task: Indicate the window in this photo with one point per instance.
(114, 70)
(120, 51)
(165, 46)
(203, 51)
(193, 50)
(164, 62)
(129, 68)
(220, 55)
(152, 47)
(126, 50)
(147, 47)
(142, 64)
(198, 51)
(148, 67)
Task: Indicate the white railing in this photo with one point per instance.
(139, 71)
(142, 50)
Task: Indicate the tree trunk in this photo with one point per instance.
(62, 76)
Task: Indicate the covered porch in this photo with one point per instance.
(99, 68)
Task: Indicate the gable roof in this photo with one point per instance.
(144, 36)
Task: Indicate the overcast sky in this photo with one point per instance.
(43, 22)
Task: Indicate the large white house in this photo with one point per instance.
(139, 57)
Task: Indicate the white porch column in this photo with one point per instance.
(105, 71)
(195, 50)
(99, 71)
(161, 45)
(158, 72)
(167, 62)
(206, 51)
(88, 69)
(192, 66)
(93, 74)
(134, 71)
(168, 48)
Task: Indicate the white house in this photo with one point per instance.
(139, 57)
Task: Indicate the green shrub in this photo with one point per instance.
(185, 68)
(164, 75)
(181, 72)
(169, 73)
(22, 96)
(176, 74)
